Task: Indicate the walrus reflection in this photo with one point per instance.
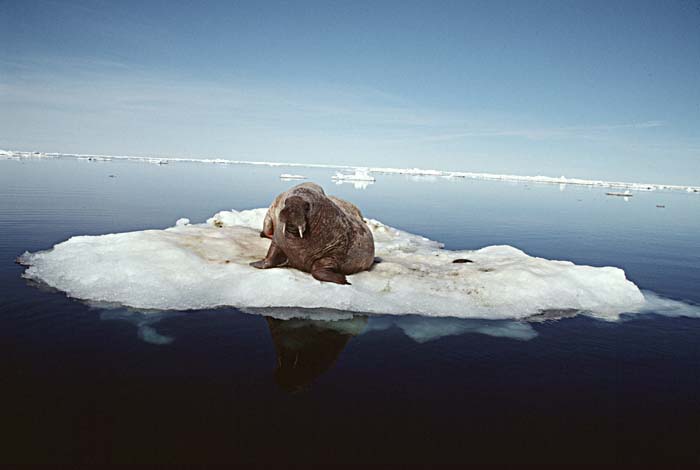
(308, 348)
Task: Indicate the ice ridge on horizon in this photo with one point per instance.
(7, 154)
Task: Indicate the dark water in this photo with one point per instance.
(84, 384)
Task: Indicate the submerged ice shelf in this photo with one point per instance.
(197, 266)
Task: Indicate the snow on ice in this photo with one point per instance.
(197, 266)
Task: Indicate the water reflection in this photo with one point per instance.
(308, 342)
(422, 178)
(306, 349)
(356, 184)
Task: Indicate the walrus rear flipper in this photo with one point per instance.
(326, 275)
(323, 271)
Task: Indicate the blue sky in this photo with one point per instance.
(588, 89)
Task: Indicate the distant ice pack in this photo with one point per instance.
(198, 266)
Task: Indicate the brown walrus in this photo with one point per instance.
(324, 236)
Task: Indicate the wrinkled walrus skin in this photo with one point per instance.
(318, 234)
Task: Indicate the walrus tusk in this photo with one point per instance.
(301, 232)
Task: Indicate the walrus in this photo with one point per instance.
(321, 235)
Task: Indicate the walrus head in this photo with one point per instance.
(294, 217)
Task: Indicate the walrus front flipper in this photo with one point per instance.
(323, 271)
(275, 257)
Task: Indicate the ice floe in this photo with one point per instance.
(14, 155)
(291, 176)
(198, 266)
(360, 174)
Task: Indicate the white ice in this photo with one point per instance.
(197, 266)
(10, 154)
(360, 174)
(291, 176)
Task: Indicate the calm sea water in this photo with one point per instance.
(81, 383)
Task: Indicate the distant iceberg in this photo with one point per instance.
(626, 194)
(360, 174)
(102, 159)
(7, 155)
(14, 155)
(290, 176)
(197, 266)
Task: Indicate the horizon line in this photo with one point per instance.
(372, 169)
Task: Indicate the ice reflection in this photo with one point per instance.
(306, 347)
(356, 184)
(308, 342)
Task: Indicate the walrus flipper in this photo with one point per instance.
(323, 271)
(275, 258)
(268, 227)
(326, 275)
